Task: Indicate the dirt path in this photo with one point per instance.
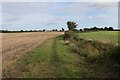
(17, 45)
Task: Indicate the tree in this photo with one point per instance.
(81, 30)
(105, 28)
(53, 30)
(62, 29)
(56, 30)
(94, 28)
(21, 30)
(86, 29)
(101, 29)
(30, 31)
(111, 28)
(71, 25)
(35, 30)
(43, 30)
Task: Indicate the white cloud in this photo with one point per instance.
(101, 16)
(90, 17)
(73, 8)
(98, 17)
(11, 18)
(25, 7)
(102, 5)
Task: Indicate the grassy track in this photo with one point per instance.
(104, 36)
(52, 59)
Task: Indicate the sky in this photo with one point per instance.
(17, 15)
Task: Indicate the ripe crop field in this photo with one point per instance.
(17, 45)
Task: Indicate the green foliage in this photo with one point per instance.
(71, 25)
(71, 35)
(67, 35)
(96, 52)
(114, 59)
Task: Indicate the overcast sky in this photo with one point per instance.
(49, 15)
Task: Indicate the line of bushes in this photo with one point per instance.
(105, 54)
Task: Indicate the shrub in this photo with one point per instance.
(76, 37)
(114, 59)
(72, 36)
(104, 54)
(80, 51)
(67, 35)
(115, 55)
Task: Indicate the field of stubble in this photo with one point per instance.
(17, 45)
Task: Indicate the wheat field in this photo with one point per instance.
(17, 45)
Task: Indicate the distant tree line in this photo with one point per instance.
(97, 29)
(53, 30)
(62, 30)
(73, 28)
(7, 31)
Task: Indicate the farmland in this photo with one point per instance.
(17, 45)
(60, 39)
(47, 55)
(103, 36)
